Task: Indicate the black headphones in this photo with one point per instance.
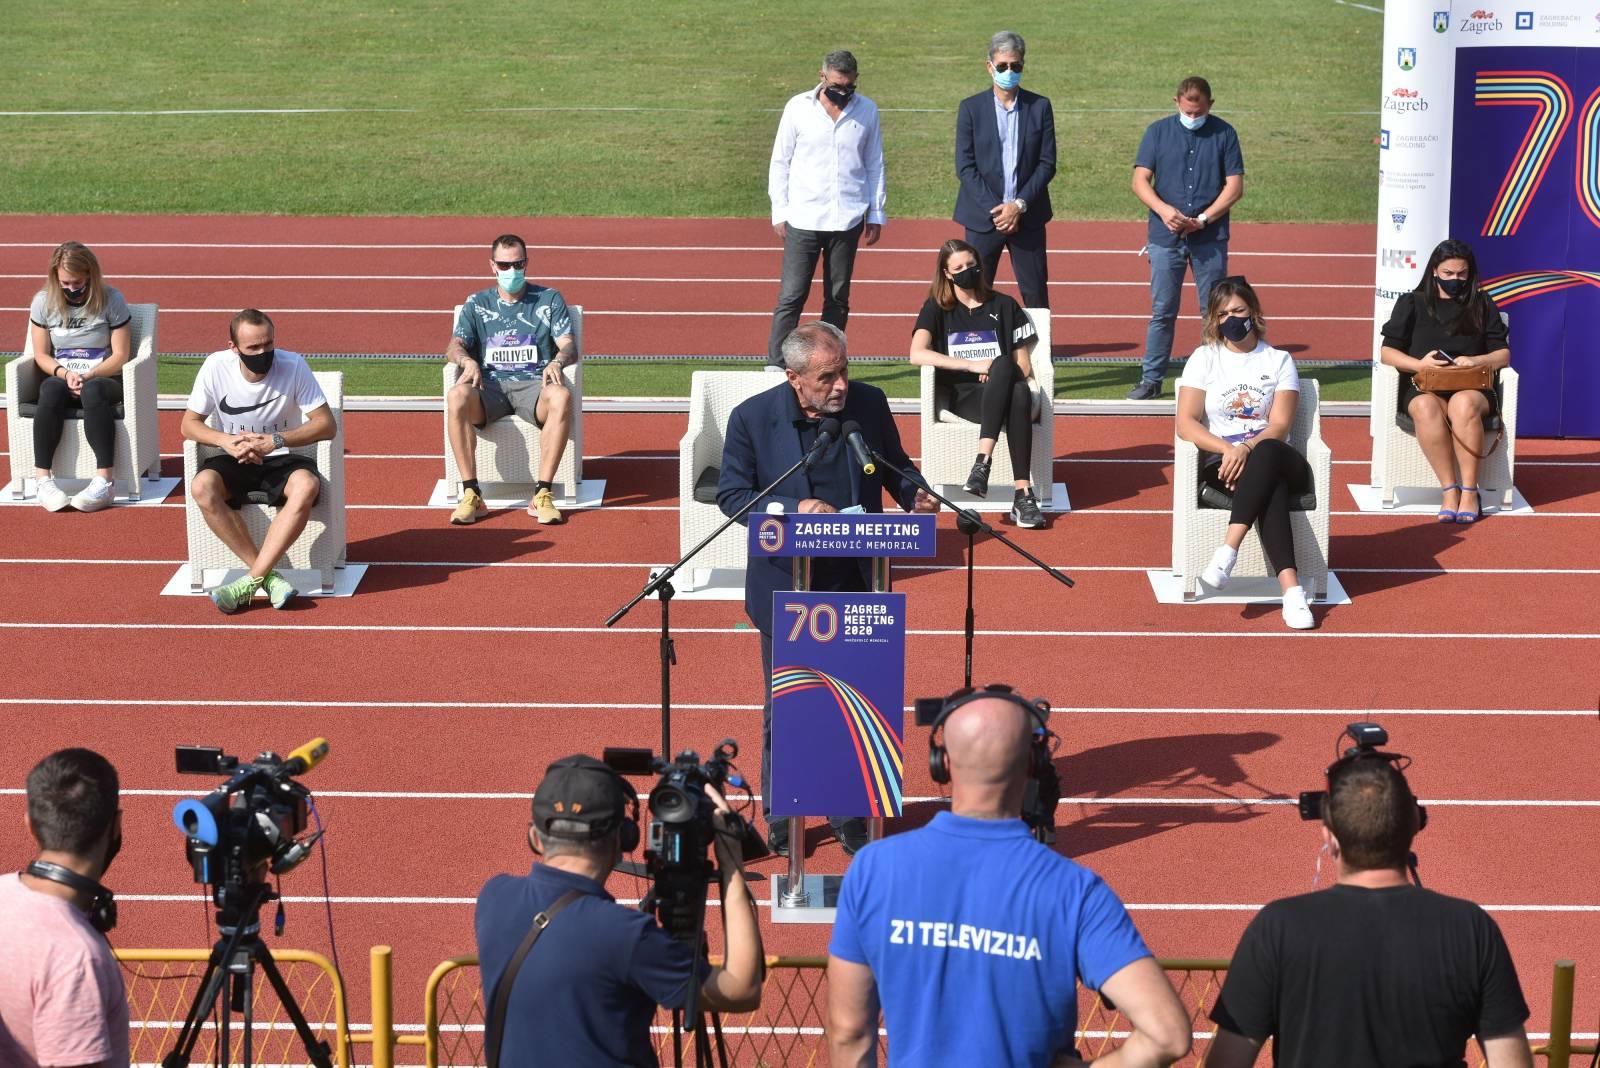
(1038, 711)
(1399, 761)
(102, 903)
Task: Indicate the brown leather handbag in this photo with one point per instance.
(1455, 379)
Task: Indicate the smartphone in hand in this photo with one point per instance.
(1439, 354)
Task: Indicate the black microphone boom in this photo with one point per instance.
(858, 448)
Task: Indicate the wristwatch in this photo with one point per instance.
(1201, 219)
(1022, 205)
(277, 441)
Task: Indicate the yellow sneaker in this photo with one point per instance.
(470, 508)
(543, 507)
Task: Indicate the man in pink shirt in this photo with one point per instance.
(62, 1002)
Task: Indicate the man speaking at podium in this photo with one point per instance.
(767, 435)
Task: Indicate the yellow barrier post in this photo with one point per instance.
(1558, 1051)
(382, 1007)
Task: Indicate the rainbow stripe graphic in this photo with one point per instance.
(1588, 177)
(1510, 288)
(1552, 103)
(879, 750)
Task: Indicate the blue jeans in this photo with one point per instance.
(1167, 267)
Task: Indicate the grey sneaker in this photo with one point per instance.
(51, 496)
(95, 496)
(1145, 391)
(978, 481)
(279, 592)
(1025, 510)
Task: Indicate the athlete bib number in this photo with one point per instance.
(974, 345)
(513, 359)
(80, 361)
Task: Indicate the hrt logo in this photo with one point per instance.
(1398, 217)
(1383, 138)
(1399, 258)
(1524, 20)
(1403, 100)
(1441, 22)
(1407, 58)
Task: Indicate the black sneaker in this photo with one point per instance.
(778, 838)
(1025, 510)
(1145, 391)
(852, 835)
(978, 481)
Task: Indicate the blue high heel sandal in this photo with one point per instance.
(1476, 514)
(1448, 515)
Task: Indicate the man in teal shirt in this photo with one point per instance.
(511, 342)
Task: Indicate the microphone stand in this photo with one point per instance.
(971, 523)
(661, 583)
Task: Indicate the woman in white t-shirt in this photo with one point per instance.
(1236, 402)
(981, 344)
(81, 339)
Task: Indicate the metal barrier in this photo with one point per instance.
(162, 984)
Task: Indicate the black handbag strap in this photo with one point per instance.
(495, 1026)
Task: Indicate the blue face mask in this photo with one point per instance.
(1191, 122)
(1008, 80)
(511, 280)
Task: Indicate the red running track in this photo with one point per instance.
(649, 286)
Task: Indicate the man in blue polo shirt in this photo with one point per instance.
(973, 936)
(1188, 172)
(586, 991)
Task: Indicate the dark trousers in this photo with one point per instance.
(1028, 261)
(766, 737)
(99, 399)
(800, 251)
(1272, 475)
(1001, 400)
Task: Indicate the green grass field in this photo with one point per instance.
(621, 108)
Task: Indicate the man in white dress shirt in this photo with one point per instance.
(826, 185)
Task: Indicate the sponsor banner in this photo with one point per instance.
(838, 691)
(843, 534)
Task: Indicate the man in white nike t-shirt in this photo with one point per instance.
(255, 402)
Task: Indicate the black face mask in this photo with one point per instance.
(840, 97)
(259, 364)
(1454, 288)
(75, 296)
(1236, 327)
(968, 278)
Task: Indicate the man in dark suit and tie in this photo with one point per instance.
(766, 435)
(1005, 158)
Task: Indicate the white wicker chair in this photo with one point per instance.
(949, 442)
(713, 395)
(508, 449)
(320, 546)
(1397, 459)
(1197, 531)
(138, 450)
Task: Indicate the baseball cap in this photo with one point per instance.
(582, 789)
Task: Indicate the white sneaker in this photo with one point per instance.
(1220, 570)
(1296, 613)
(50, 495)
(95, 496)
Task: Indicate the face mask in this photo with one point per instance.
(510, 281)
(259, 364)
(968, 278)
(840, 97)
(1008, 80)
(76, 296)
(1236, 327)
(1453, 287)
(1191, 122)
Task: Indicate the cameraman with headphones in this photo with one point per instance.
(1372, 970)
(973, 936)
(588, 990)
(62, 1001)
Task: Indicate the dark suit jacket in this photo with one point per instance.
(980, 168)
(762, 443)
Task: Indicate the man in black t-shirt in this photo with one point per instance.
(1373, 970)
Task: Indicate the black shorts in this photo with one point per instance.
(267, 477)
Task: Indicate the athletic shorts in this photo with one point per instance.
(501, 397)
(268, 477)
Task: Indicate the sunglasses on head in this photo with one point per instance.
(1004, 67)
(511, 265)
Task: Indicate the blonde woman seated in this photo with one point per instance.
(980, 342)
(1236, 402)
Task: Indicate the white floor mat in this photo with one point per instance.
(1426, 501)
(1169, 590)
(151, 492)
(591, 493)
(308, 583)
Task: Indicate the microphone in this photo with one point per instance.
(858, 448)
(827, 434)
(306, 757)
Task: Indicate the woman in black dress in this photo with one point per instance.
(981, 343)
(1448, 322)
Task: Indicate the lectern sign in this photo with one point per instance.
(843, 534)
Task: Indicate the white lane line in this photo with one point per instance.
(353, 628)
(1092, 511)
(1363, 7)
(477, 247)
(596, 312)
(1099, 710)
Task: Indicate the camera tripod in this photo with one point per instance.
(231, 969)
(688, 1015)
